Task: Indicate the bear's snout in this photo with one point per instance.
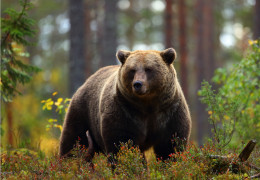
(138, 85)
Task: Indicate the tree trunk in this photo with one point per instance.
(208, 26)
(168, 21)
(109, 46)
(199, 64)
(89, 41)
(209, 49)
(257, 20)
(9, 123)
(183, 46)
(205, 61)
(130, 33)
(77, 45)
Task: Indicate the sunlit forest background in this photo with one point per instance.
(75, 38)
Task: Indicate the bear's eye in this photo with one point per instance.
(148, 70)
(132, 71)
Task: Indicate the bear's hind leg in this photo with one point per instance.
(74, 129)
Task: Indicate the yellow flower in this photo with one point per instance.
(209, 112)
(48, 104)
(58, 126)
(252, 42)
(67, 100)
(55, 93)
(58, 102)
(52, 120)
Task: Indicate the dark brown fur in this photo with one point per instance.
(112, 110)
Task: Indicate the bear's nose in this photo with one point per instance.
(138, 85)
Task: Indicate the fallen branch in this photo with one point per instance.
(243, 156)
(255, 176)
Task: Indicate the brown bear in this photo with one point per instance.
(140, 100)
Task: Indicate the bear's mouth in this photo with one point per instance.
(140, 92)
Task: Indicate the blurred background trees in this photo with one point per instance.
(77, 45)
(75, 38)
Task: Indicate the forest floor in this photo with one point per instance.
(194, 163)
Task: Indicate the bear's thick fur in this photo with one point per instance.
(140, 100)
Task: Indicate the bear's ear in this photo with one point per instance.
(122, 55)
(168, 55)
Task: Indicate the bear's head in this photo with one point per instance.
(146, 74)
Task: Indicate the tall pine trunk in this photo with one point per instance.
(200, 68)
(257, 20)
(168, 24)
(183, 46)
(10, 129)
(77, 45)
(209, 47)
(89, 41)
(109, 44)
(205, 59)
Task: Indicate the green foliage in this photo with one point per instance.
(234, 109)
(16, 27)
(130, 162)
(194, 163)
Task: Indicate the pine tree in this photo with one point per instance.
(16, 27)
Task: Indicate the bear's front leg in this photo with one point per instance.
(114, 133)
(177, 133)
(169, 146)
(164, 149)
(113, 139)
(174, 140)
(112, 145)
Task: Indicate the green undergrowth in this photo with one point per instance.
(194, 163)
